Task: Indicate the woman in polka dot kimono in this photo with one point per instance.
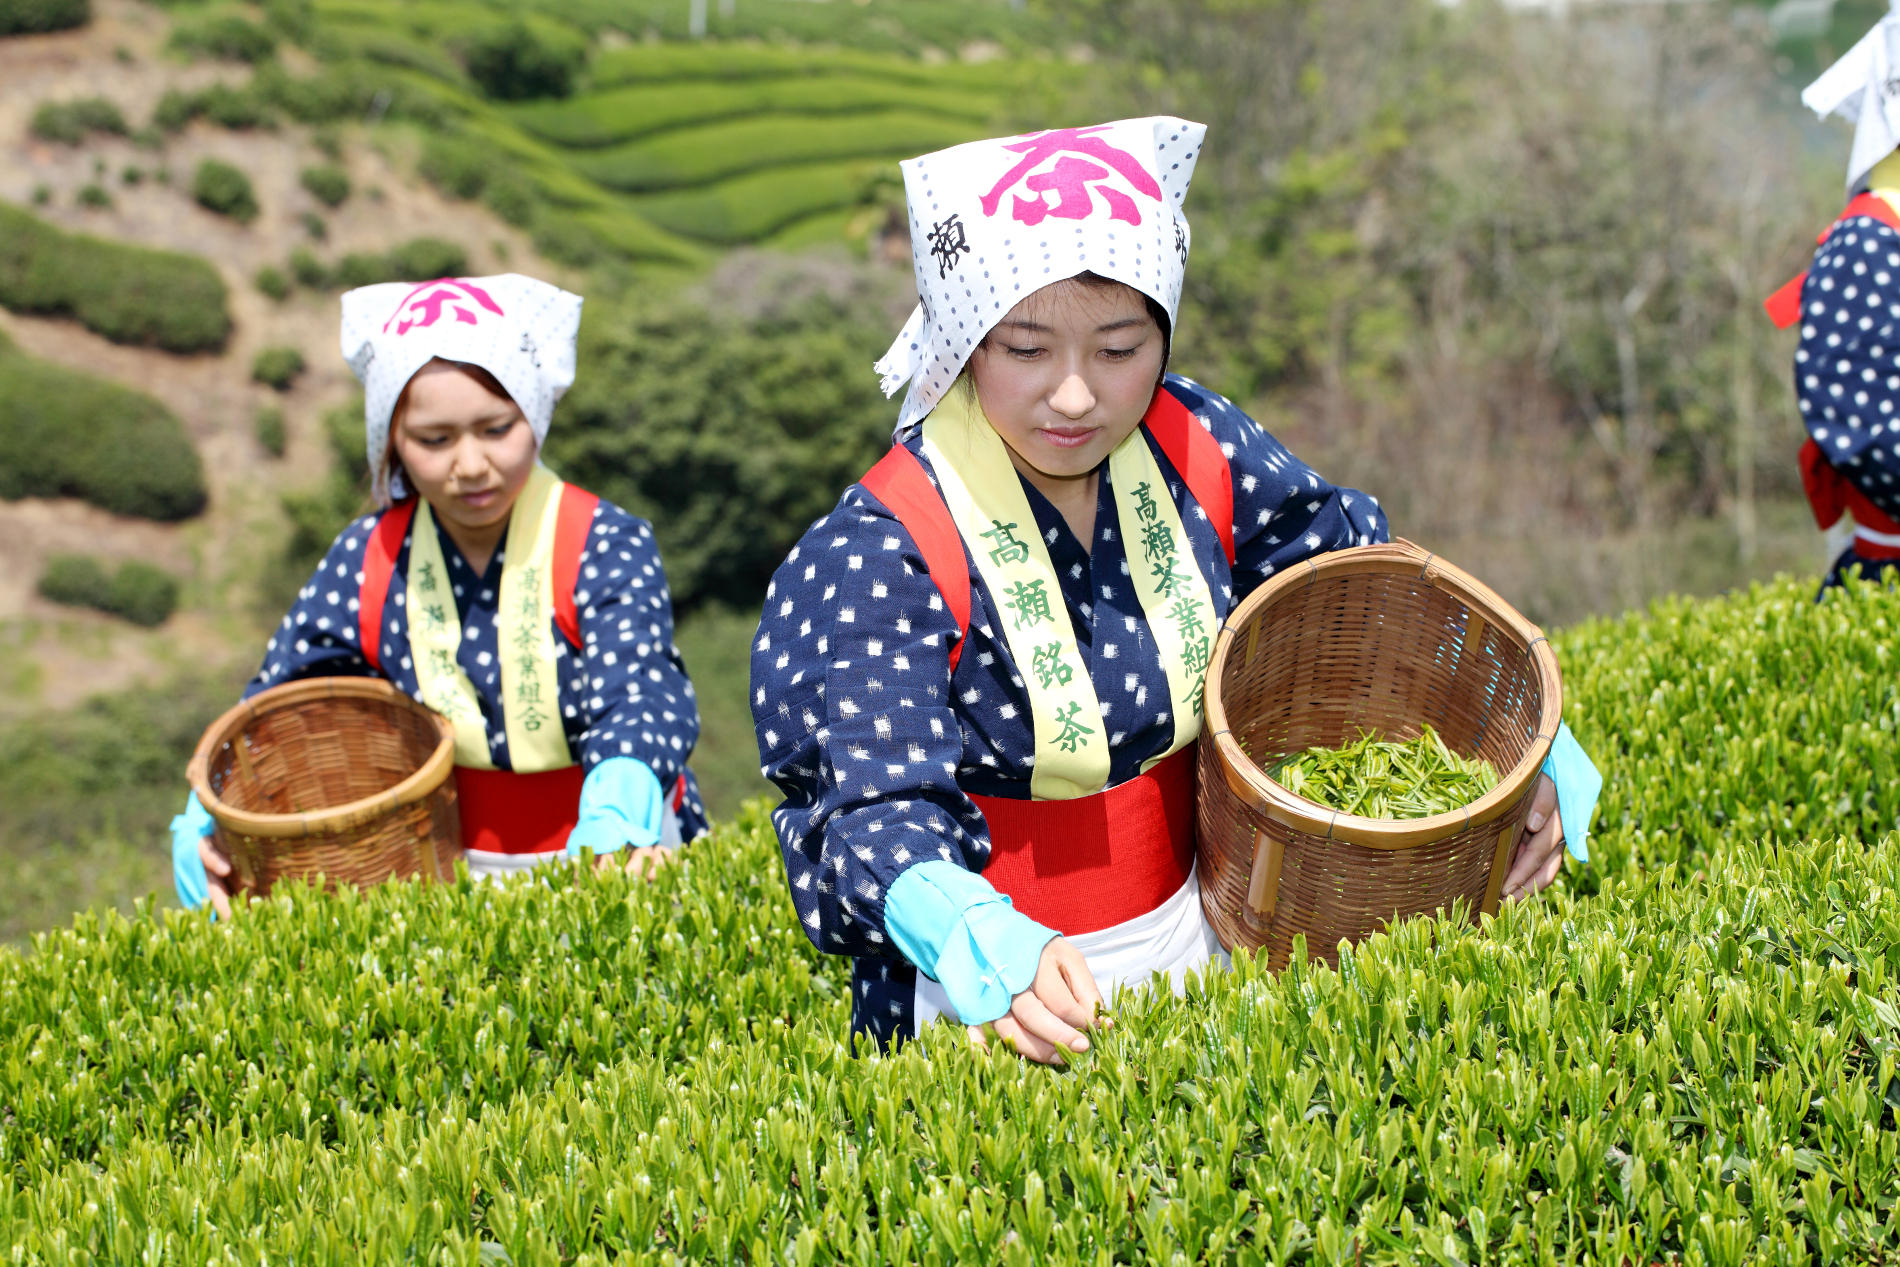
(978, 680)
(531, 614)
(1847, 365)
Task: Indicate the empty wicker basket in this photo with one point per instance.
(1383, 638)
(347, 779)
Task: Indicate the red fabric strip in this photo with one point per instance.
(1784, 306)
(505, 812)
(1197, 456)
(1831, 495)
(898, 480)
(572, 522)
(379, 564)
(1082, 865)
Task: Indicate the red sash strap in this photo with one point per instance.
(505, 812)
(1784, 306)
(1090, 863)
(1197, 456)
(1831, 495)
(574, 519)
(379, 564)
(898, 480)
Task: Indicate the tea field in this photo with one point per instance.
(1684, 1054)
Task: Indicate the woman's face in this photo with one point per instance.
(1068, 374)
(467, 450)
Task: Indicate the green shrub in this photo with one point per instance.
(65, 434)
(313, 226)
(698, 155)
(75, 580)
(224, 36)
(93, 195)
(272, 282)
(174, 110)
(458, 166)
(127, 294)
(327, 183)
(308, 269)
(418, 259)
(511, 199)
(751, 207)
(239, 109)
(131, 175)
(277, 367)
(42, 194)
(28, 17)
(69, 122)
(224, 189)
(271, 436)
(516, 63)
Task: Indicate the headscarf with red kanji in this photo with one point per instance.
(520, 330)
(1863, 87)
(994, 221)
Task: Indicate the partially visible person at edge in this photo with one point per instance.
(533, 615)
(1010, 616)
(1847, 364)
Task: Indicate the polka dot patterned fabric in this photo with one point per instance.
(1847, 365)
(624, 692)
(994, 221)
(518, 329)
(876, 744)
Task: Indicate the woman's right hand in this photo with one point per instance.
(1050, 1016)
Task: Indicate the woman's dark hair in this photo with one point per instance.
(1095, 281)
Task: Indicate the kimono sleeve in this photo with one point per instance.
(634, 694)
(318, 637)
(851, 698)
(1847, 365)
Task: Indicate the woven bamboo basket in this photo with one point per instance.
(343, 779)
(1385, 638)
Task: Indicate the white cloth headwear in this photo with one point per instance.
(518, 329)
(1863, 88)
(994, 221)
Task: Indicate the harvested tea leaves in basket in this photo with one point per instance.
(1379, 778)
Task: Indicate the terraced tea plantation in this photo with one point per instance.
(668, 150)
(1686, 1054)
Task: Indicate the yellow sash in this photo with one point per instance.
(992, 513)
(530, 685)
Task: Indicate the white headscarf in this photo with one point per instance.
(518, 329)
(1864, 88)
(994, 221)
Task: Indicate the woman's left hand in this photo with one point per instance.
(645, 863)
(1540, 850)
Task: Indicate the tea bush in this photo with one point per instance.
(128, 294)
(225, 37)
(137, 591)
(327, 183)
(65, 434)
(277, 367)
(219, 187)
(28, 17)
(69, 122)
(1691, 1062)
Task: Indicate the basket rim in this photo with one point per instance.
(1266, 797)
(434, 770)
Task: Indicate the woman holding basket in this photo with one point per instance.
(978, 680)
(533, 615)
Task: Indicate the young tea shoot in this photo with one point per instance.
(1385, 778)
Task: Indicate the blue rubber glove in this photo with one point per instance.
(963, 934)
(188, 866)
(621, 806)
(1578, 786)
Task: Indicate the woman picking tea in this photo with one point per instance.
(531, 614)
(978, 680)
(1848, 309)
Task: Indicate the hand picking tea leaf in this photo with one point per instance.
(1380, 778)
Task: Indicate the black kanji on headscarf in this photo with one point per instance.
(948, 244)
